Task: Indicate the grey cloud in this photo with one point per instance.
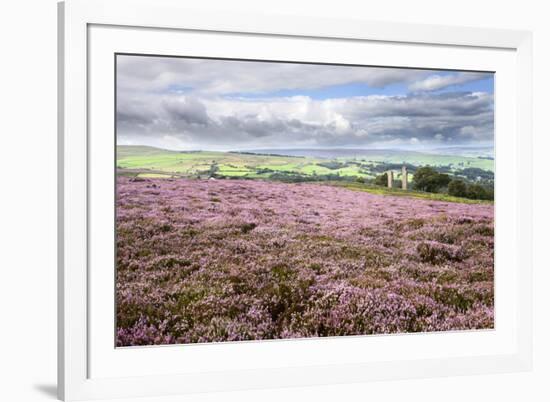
(183, 101)
(188, 110)
(424, 105)
(370, 120)
(200, 75)
(437, 81)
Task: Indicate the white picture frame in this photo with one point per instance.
(91, 30)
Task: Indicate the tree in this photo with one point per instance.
(381, 180)
(477, 192)
(428, 179)
(472, 191)
(457, 188)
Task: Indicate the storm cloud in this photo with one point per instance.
(183, 103)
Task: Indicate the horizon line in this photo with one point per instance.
(442, 147)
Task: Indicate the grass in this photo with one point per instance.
(406, 193)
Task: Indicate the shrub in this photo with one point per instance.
(457, 188)
(478, 192)
(437, 253)
(428, 179)
(459, 299)
(381, 180)
(247, 227)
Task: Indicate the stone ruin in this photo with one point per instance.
(404, 178)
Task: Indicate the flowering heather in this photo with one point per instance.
(230, 260)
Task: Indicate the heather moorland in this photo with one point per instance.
(232, 260)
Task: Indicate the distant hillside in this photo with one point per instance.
(335, 152)
(125, 151)
(344, 164)
(481, 151)
(468, 152)
(417, 158)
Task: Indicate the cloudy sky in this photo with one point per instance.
(179, 103)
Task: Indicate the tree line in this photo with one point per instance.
(430, 180)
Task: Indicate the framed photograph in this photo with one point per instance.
(253, 201)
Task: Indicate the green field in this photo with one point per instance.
(353, 172)
(147, 161)
(153, 162)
